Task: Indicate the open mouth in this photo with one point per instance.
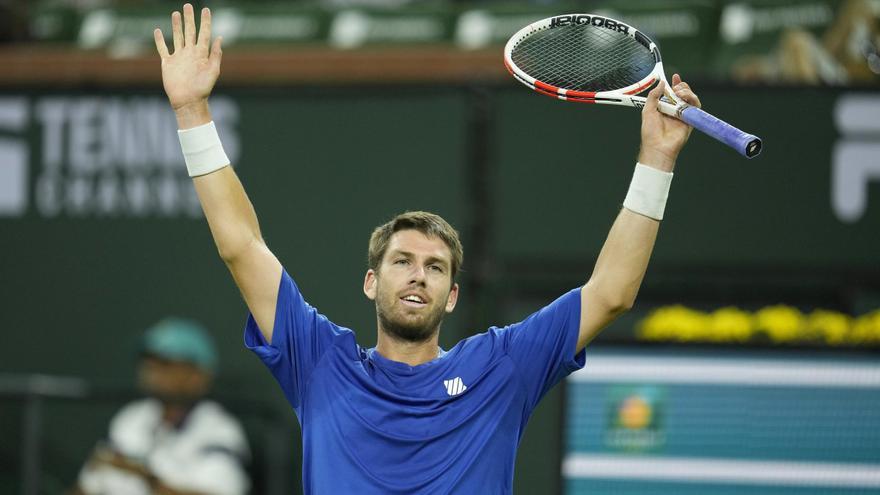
(414, 301)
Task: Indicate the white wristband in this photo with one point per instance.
(202, 150)
(648, 192)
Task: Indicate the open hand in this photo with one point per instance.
(664, 136)
(189, 74)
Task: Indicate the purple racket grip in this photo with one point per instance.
(745, 144)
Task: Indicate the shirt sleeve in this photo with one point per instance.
(300, 338)
(542, 346)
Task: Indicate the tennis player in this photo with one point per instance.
(407, 417)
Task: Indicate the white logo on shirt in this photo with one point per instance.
(454, 386)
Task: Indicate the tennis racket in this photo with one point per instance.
(594, 59)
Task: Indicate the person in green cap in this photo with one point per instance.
(174, 441)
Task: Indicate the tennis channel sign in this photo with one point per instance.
(99, 157)
(116, 156)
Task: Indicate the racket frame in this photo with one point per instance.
(628, 96)
(745, 144)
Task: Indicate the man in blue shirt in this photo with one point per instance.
(405, 416)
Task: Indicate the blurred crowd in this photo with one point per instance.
(847, 51)
(820, 42)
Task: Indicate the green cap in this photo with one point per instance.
(178, 339)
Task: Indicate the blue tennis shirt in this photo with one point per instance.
(452, 425)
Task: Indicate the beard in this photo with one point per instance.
(409, 329)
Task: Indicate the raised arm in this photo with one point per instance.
(188, 75)
(621, 265)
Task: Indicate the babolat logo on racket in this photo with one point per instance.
(569, 20)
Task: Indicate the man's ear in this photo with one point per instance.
(370, 284)
(452, 299)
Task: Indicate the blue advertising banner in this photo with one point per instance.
(722, 423)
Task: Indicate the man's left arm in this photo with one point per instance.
(624, 257)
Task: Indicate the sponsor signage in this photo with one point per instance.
(99, 156)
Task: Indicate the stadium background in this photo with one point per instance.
(339, 115)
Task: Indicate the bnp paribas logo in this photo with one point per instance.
(13, 157)
(635, 418)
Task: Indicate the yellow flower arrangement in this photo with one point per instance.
(779, 324)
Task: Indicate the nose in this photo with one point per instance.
(418, 275)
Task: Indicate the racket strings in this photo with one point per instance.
(583, 58)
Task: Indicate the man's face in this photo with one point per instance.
(413, 286)
(172, 381)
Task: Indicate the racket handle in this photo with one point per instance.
(745, 144)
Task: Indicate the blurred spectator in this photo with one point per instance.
(175, 441)
(848, 53)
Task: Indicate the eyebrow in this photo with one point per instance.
(431, 259)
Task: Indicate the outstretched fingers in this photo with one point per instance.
(161, 47)
(216, 52)
(205, 32)
(184, 33)
(177, 31)
(189, 25)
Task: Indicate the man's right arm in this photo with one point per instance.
(233, 223)
(188, 76)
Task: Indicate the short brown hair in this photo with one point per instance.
(425, 222)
